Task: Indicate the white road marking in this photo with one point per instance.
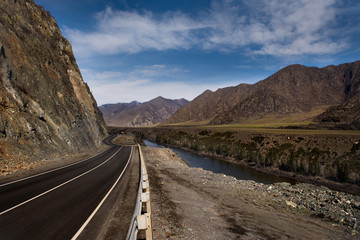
(102, 201)
(52, 189)
(53, 170)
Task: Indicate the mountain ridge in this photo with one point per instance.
(295, 89)
(137, 114)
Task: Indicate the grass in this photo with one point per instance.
(236, 128)
(187, 124)
(270, 124)
(265, 128)
(270, 121)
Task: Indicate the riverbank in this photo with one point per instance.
(291, 177)
(190, 203)
(219, 165)
(329, 158)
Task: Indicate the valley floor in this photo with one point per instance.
(190, 203)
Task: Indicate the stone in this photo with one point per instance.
(282, 184)
(291, 204)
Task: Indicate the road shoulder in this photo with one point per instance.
(26, 169)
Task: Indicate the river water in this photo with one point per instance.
(218, 166)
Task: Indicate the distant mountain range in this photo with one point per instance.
(328, 97)
(296, 92)
(136, 114)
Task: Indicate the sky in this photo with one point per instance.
(140, 49)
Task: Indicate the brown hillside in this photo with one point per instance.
(344, 116)
(295, 89)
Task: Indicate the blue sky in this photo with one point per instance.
(140, 49)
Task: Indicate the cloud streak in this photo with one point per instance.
(132, 32)
(262, 27)
(304, 27)
(275, 28)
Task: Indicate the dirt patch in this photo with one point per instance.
(123, 139)
(191, 203)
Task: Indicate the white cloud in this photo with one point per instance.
(132, 32)
(137, 73)
(276, 28)
(270, 27)
(302, 27)
(157, 70)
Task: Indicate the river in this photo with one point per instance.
(217, 166)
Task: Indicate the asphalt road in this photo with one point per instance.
(61, 203)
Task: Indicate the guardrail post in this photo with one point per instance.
(144, 222)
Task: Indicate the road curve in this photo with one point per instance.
(57, 204)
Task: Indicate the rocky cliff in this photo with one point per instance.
(295, 90)
(45, 106)
(137, 114)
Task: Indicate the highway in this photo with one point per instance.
(65, 202)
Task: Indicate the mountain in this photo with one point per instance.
(137, 114)
(295, 90)
(110, 110)
(345, 116)
(46, 109)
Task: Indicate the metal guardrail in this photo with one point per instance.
(141, 220)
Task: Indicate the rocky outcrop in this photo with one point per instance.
(295, 89)
(137, 114)
(45, 106)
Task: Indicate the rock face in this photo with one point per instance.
(295, 89)
(45, 106)
(137, 114)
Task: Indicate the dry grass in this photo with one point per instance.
(236, 128)
(187, 124)
(268, 128)
(125, 140)
(270, 124)
(270, 121)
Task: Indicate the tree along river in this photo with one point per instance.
(217, 166)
